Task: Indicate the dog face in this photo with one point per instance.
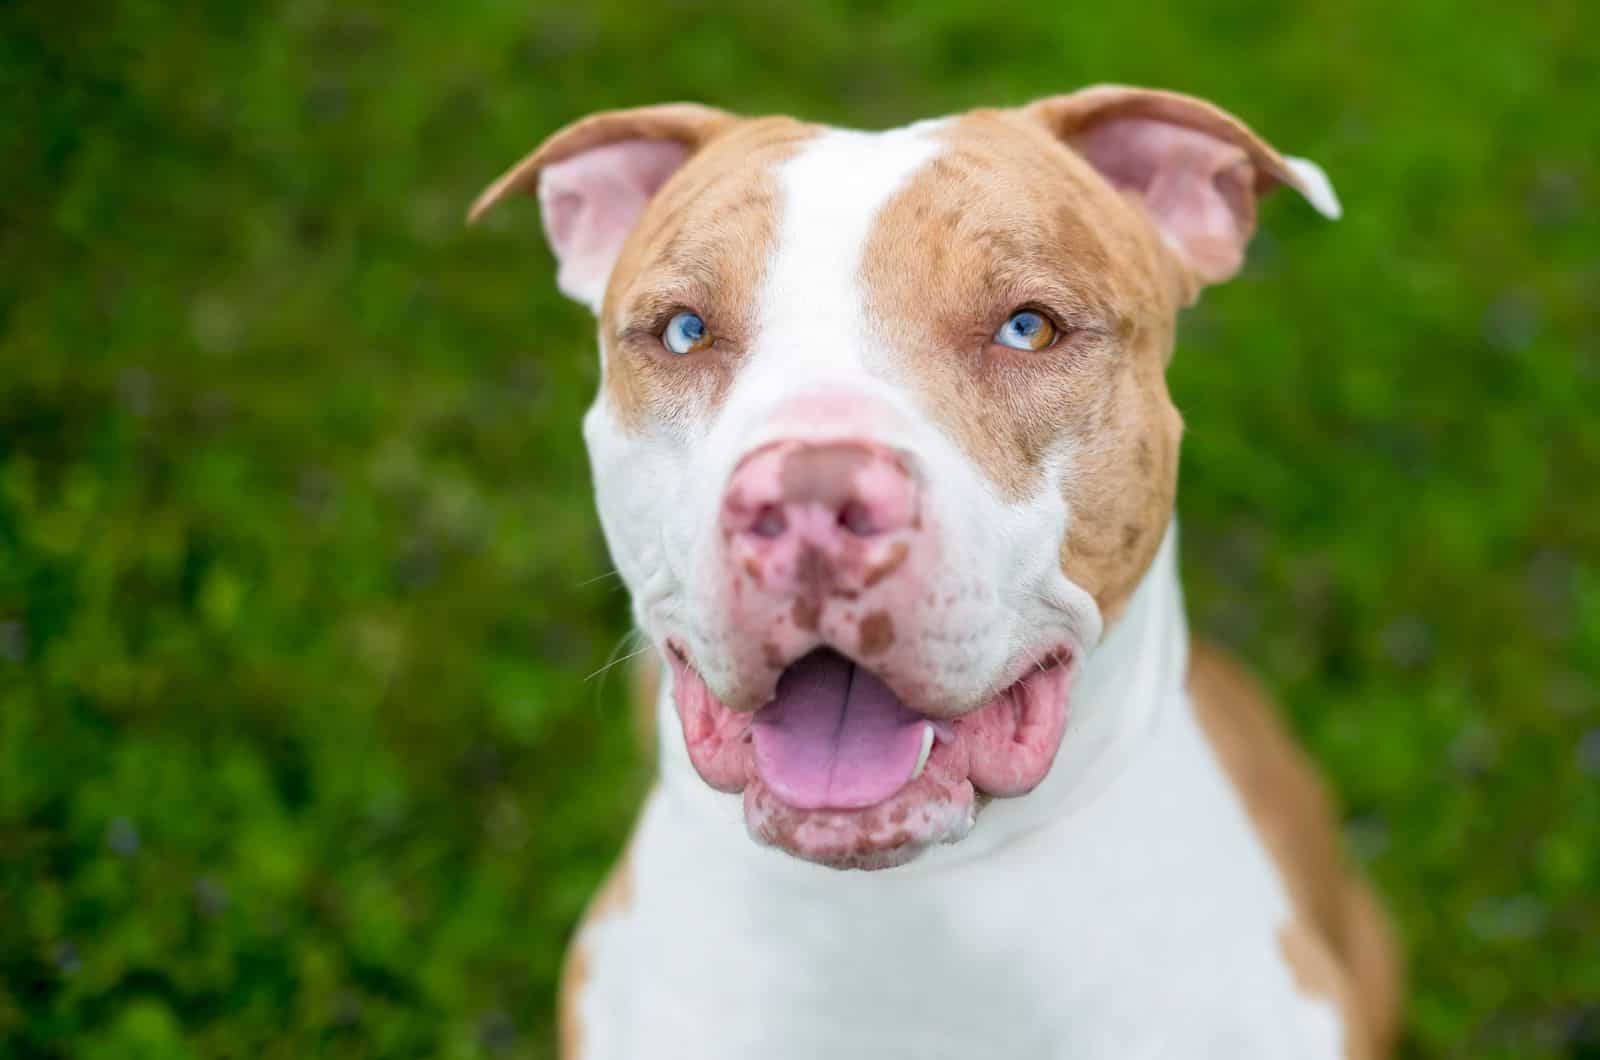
(883, 442)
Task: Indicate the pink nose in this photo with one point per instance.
(835, 501)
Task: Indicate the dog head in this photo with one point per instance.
(883, 443)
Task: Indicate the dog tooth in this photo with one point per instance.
(927, 748)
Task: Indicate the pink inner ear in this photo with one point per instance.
(1198, 189)
(591, 201)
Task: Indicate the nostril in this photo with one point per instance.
(769, 522)
(857, 518)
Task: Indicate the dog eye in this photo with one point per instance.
(686, 333)
(1026, 330)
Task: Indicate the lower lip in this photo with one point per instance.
(1004, 754)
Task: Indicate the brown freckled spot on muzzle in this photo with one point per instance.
(877, 632)
(812, 570)
(806, 611)
(891, 563)
(773, 655)
(752, 568)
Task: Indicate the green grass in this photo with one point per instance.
(298, 568)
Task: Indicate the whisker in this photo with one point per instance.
(617, 662)
(622, 645)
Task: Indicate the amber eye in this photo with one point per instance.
(1026, 330)
(686, 333)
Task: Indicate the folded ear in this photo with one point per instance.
(595, 177)
(1197, 169)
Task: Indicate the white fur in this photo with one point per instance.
(1315, 186)
(1141, 920)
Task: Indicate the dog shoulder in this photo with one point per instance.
(1336, 945)
(612, 900)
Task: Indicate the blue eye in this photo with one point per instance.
(1026, 330)
(685, 333)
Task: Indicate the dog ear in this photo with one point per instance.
(594, 178)
(1197, 169)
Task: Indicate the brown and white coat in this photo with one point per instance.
(1164, 878)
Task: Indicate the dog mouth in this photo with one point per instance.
(838, 770)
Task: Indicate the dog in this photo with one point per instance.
(885, 455)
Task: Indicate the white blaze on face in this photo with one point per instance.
(813, 307)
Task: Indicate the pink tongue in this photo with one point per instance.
(835, 737)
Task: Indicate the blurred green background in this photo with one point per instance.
(301, 590)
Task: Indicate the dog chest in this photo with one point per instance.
(1144, 925)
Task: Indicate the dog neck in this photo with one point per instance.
(1123, 692)
(1121, 697)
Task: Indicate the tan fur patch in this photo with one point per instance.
(1005, 218)
(1317, 974)
(615, 896)
(877, 633)
(616, 893)
(703, 244)
(1337, 943)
